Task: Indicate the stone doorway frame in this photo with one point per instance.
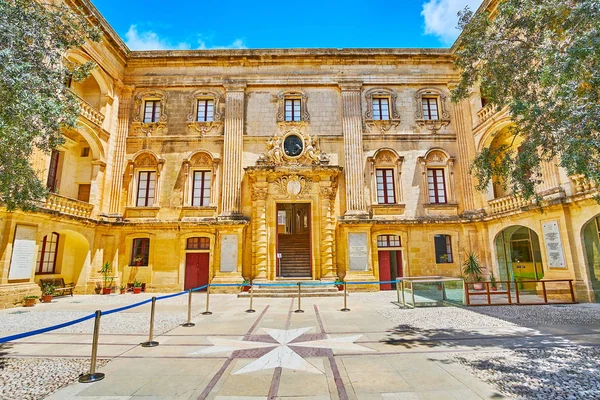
(316, 185)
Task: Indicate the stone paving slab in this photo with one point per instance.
(276, 353)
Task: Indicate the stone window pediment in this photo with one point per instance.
(141, 124)
(292, 109)
(382, 113)
(205, 112)
(432, 113)
(294, 147)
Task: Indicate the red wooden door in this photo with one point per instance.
(196, 270)
(400, 272)
(384, 270)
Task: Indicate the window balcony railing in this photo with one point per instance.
(68, 206)
(508, 203)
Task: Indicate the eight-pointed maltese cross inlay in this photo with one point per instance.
(282, 355)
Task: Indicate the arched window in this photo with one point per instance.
(47, 254)
(200, 181)
(384, 241)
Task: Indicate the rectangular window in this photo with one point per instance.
(83, 193)
(385, 186)
(152, 111)
(146, 187)
(85, 152)
(388, 241)
(381, 108)
(140, 252)
(292, 109)
(206, 109)
(201, 189)
(430, 108)
(52, 183)
(436, 184)
(198, 243)
(443, 249)
(47, 254)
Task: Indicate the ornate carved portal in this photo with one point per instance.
(310, 188)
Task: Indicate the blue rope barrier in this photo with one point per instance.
(225, 284)
(168, 296)
(199, 288)
(44, 330)
(116, 310)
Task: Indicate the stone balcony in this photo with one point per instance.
(89, 112)
(68, 206)
(507, 204)
(486, 113)
(582, 185)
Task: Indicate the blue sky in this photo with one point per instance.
(184, 24)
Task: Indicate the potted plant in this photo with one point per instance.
(98, 288)
(122, 288)
(339, 284)
(245, 285)
(472, 269)
(108, 280)
(47, 292)
(137, 287)
(493, 282)
(29, 301)
(137, 260)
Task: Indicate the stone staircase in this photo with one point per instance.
(292, 291)
(295, 256)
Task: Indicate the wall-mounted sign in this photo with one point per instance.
(553, 242)
(22, 260)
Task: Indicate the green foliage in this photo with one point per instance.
(106, 270)
(472, 267)
(48, 289)
(136, 283)
(34, 38)
(541, 60)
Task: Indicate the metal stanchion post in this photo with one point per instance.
(402, 290)
(251, 310)
(94, 376)
(150, 342)
(189, 322)
(299, 310)
(398, 290)
(345, 309)
(207, 300)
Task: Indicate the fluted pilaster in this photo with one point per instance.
(353, 148)
(327, 197)
(259, 223)
(232, 150)
(466, 151)
(118, 164)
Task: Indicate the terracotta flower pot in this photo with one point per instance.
(122, 291)
(478, 286)
(28, 302)
(137, 290)
(47, 298)
(106, 290)
(340, 287)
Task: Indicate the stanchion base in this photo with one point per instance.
(149, 344)
(206, 313)
(299, 311)
(188, 324)
(345, 309)
(89, 378)
(250, 311)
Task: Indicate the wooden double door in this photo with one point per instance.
(390, 268)
(196, 270)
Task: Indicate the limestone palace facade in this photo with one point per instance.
(190, 167)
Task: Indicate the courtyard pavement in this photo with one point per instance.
(375, 351)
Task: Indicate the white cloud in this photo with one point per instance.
(149, 40)
(441, 19)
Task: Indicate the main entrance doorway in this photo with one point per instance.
(519, 256)
(390, 260)
(196, 262)
(591, 239)
(293, 241)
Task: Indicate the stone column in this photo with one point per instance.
(549, 175)
(328, 267)
(232, 151)
(259, 237)
(118, 164)
(466, 151)
(353, 148)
